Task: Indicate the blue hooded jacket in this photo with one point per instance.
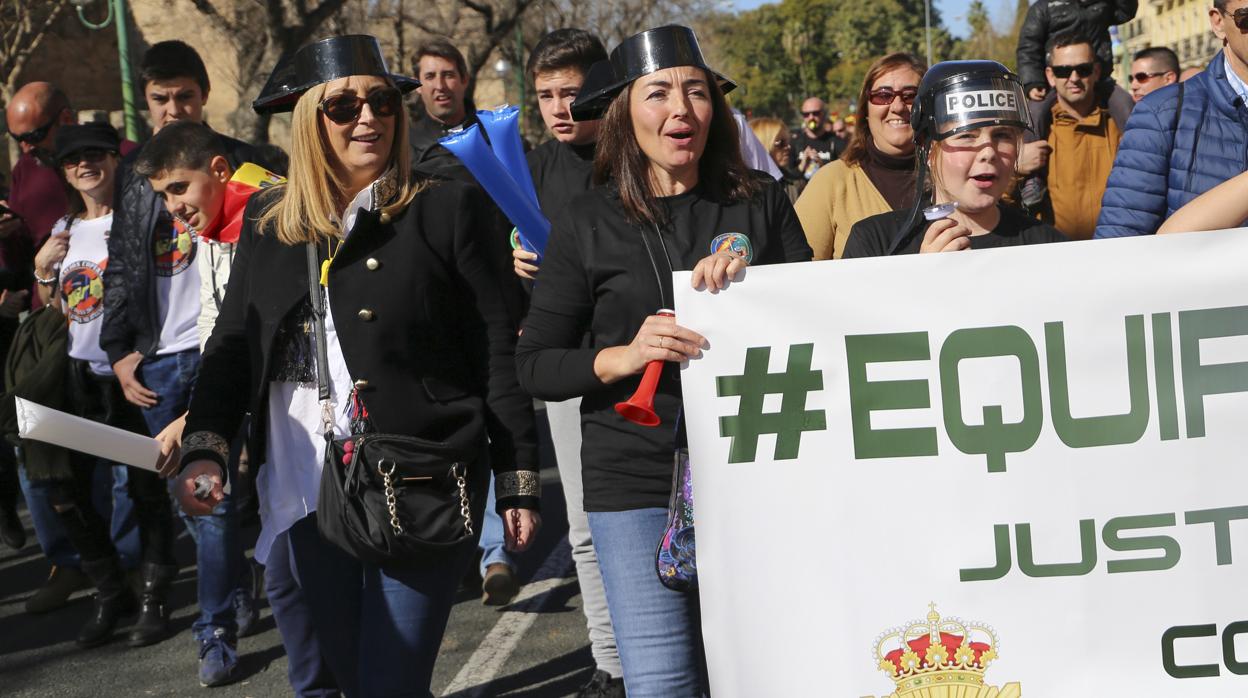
(1166, 159)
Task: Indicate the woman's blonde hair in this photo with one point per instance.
(310, 202)
(767, 129)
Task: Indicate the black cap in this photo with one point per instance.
(321, 62)
(637, 56)
(72, 139)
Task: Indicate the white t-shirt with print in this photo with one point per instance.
(177, 288)
(80, 284)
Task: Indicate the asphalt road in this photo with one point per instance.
(535, 648)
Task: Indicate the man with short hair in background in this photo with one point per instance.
(813, 145)
(1080, 133)
(1152, 69)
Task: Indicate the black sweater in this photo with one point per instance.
(598, 278)
(872, 237)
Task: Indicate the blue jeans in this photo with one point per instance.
(120, 511)
(658, 631)
(491, 543)
(306, 668)
(218, 545)
(379, 629)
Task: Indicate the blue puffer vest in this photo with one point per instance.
(1166, 160)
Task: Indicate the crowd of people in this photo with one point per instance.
(340, 325)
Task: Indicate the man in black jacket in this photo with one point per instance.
(150, 336)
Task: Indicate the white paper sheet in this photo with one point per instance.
(34, 421)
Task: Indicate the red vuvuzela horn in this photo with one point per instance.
(639, 409)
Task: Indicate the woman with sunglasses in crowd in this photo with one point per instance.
(69, 271)
(674, 195)
(970, 118)
(418, 343)
(875, 174)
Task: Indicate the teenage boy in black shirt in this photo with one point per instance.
(562, 169)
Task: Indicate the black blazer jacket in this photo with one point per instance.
(423, 321)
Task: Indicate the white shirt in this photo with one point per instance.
(177, 288)
(290, 480)
(1237, 83)
(214, 260)
(80, 284)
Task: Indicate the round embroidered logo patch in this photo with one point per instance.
(83, 287)
(174, 249)
(733, 243)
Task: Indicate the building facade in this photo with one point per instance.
(1181, 25)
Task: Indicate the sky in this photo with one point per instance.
(953, 11)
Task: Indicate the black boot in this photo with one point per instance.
(113, 600)
(153, 623)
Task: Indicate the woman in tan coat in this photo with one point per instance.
(876, 172)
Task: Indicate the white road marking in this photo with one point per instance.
(487, 661)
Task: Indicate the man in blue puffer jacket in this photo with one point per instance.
(1183, 140)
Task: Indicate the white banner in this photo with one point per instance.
(1015, 470)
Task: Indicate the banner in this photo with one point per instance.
(994, 473)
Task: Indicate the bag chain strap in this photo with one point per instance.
(463, 499)
(392, 501)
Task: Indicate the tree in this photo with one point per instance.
(986, 41)
(23, 24)
(262, 33)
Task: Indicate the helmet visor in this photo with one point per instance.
(978, 102)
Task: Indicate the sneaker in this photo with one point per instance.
(218, 658)
(499, 585)
(602, 685)
(62, 582)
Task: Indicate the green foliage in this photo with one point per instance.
(988, 41)
(781, 53)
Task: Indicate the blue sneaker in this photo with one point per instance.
(218, 659)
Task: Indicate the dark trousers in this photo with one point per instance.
(378, 629)
(306, 667)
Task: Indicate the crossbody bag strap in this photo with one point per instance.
(322, 349)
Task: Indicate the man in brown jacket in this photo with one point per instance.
(1082, 139)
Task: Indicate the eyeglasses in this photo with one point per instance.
(35, 136)
(885, 96)
(1145, 77)
(1064, 71)
(781, 145)
(1239, 17)
(345, 108)
(817, 112)
(84, 155)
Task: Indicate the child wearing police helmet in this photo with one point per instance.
(968, 121)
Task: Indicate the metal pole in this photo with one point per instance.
(127, 85)
(927, 28)
(520, 69)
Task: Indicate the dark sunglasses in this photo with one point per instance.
(1064, 71)
(817, 112)
(1145, 77)
(1239, 17)
(35, 136)
(346, 107)
(885, 96)
(86, 154)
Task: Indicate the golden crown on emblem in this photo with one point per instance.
(940, 657)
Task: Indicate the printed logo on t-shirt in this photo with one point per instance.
(82, 284)
(734, 244)
(174, 249)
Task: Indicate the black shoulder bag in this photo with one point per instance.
(387, 499)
